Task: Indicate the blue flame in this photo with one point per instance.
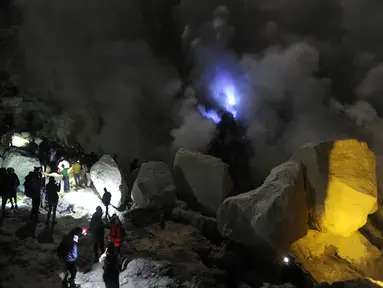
(225, 94)
(209, 114)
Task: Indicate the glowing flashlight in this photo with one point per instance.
(286, 260)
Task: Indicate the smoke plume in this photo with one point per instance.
(307, 71)
(90, 57)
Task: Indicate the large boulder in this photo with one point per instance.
(22, 162)
(154, 186)
(201, 180)
(148, 273)
(274, 215)
(329, 257)
(105, 174)
(342, 177)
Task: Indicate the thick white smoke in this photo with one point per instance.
(287, 104)
(89, 58)
(296, 59)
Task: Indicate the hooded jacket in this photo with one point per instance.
(72, 254)
(52, 189)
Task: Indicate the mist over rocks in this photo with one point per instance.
(303, 71)
(273, 215)
(201, 180)
(285, 81)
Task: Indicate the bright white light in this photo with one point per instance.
(230, 96)
(19, 141)
(83, 199)
(286, 260)
(65, 162)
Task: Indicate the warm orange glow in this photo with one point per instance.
(339, 252)
(330, 258)
(379, 283)
(351, 189)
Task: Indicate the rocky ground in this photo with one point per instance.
(172, 257)
(177, 256)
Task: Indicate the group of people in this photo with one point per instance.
(34, 185)
(9, 183)
(80, 173)
(110, 257)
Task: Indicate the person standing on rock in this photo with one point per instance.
(106, 200)
(14, 183)
(52, 190)
(76, 168)
(117, 233)
(32, 186)
(84, 175)
(3, 190)
(96, 227)
(33, 148)
(112, 266)
(64, 172)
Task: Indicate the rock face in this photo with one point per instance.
(343, 185)
(22, 163)
(154, 186)
(147, 273)
(201, 180)
(275, 214)
(206, 225)
(105, 174)
(329, 257)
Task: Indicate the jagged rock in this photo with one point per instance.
(154, 186)
(201, 180)
(286, 285)
(343, 180)
(275, 214)
(133, 176)
(105, 174)
(213, 278)
(373, 229)
(142, 217)
(22, 163)
(357, 283)
(207, 225)
(146, 273)
(64, 207)
(349, 257)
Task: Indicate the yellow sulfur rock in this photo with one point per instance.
(330, 258)
(342, 177)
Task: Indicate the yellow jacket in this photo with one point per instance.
(76, 168)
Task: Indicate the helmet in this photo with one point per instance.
(10, 170)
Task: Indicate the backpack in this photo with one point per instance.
(64, 248)
(27, 188)
(32, 187)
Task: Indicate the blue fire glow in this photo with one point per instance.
(209, 114)
(225, 95)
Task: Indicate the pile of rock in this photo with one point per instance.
(313, 205)
(319, 198)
